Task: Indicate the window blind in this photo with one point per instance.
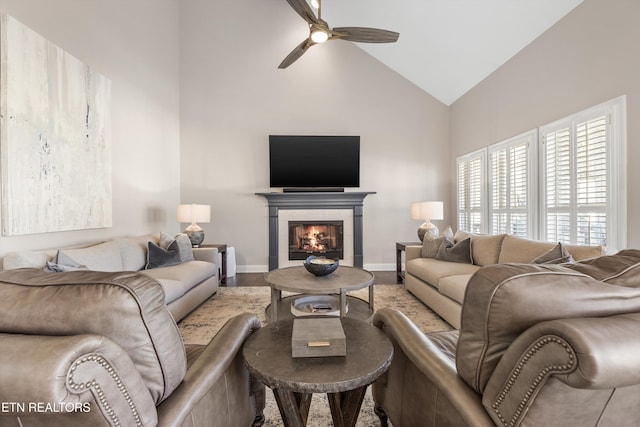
(576, 182)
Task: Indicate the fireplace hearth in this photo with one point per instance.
(319, 238)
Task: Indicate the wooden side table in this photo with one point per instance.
(401, 247)
(267, 355)
(222, 249)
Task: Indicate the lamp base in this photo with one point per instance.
(195, 233)
(428, 230)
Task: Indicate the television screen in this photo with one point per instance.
(314, 161)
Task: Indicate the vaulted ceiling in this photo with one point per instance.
(448, 46)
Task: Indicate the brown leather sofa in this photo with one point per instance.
(91, 348)
(539, 345)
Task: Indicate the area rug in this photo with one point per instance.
(204, 322)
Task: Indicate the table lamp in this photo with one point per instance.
(427, 211)
(193, 214)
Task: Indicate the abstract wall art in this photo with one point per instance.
(55, 137)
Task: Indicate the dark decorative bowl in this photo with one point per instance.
(320, 266)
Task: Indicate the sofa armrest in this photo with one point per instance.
(413, 252)
(434, 367)
(584, 353)
(84, 379)
(206, 254)
(207, 371)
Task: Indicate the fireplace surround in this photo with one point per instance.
(352, 201)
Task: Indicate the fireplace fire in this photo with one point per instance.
(319, 238)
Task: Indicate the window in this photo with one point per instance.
(583, 175)
(471, 183)
(564, 182)
(511, 187)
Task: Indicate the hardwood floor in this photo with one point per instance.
(257, 279)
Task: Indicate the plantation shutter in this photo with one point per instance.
(470, 192)
(576, 181)
(510, 188)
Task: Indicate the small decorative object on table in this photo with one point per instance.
(320, 266)
(318, 338)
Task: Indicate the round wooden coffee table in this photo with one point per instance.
(267, 355)
(300, 281)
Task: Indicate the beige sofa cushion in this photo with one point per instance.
(100, 257)
(133, 251)
(189, 273)
(454, 286)
(25, 259)
(431, 270)
(516, 249)
(485, 249)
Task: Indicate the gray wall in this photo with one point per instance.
(233, 96)
(136, 45)
(588, 57)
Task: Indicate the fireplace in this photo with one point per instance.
(346, 206)
(320, 238)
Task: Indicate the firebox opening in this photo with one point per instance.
(319, 238)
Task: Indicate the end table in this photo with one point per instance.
(222, 249)
(401, 247)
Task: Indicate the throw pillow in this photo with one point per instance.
(184, 243)
(430, 246)
(160, 257)
(186, 250)
(448, 233)
(61, 268)
(557, 255)
(459, 252)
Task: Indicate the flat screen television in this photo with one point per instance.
(314, 161)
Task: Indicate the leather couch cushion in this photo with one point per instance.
(621, 269)
(502, 301)
(454, 286)
(128, 308)
(431, 270)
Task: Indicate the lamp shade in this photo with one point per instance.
(194, 213)
(427, 211)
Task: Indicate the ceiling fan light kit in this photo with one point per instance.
(319, 31)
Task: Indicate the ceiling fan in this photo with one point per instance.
(319, 32)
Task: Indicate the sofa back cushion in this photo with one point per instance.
(133, 251)
(101, 257)
(128, 308)
(485, 248)
(517, 249)
(504, 300)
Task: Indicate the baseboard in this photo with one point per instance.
(380, 267)
(252, 269)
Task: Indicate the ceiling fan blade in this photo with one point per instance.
(303, 9)
(365, 35)
(296, 53)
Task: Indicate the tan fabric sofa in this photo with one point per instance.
(185, 285)
(539, 345)
(441, 285)
(88, 348)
